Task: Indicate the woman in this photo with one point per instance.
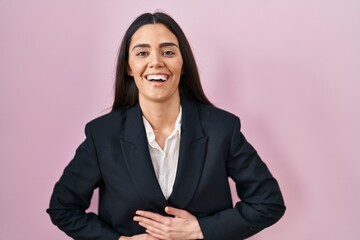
(162, 157)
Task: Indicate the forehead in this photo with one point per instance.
(153, 34)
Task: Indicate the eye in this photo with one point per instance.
(168, 53)
(142, 54)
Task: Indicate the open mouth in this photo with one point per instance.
(157, 77)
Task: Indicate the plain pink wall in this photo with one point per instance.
(289, 69)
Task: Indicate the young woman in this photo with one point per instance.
(162, 157)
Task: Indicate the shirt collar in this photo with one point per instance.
(150, 132)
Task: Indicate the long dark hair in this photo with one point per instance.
(126, 93)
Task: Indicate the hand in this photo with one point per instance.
(180, 227)
(144, 236)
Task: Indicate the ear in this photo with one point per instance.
(128, 70)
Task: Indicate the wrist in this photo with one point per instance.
(200, 235)
(198, 232)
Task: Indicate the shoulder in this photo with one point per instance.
(214, 121)
(108, 118)
(107, 123)
(216, 115)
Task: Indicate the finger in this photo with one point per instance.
(152, 232)
(155, 235)
(150, 237)
(156, 232)
(180, 213)
(144, 236)
(154, 216)
(146, 222)
(147, 236)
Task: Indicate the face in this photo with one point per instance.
(155, 63)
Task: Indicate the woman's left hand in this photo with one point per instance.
(182, 226)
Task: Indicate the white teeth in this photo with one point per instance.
(157, 77)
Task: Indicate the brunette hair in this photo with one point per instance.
(126, 93)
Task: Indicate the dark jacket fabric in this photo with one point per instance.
(115, 158)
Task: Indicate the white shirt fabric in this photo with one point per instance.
(165, 161)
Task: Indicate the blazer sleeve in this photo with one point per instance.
(73, 192)
(261, 203)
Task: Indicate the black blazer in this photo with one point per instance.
(115, 158)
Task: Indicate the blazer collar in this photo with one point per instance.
(138, 161)
(193, 144)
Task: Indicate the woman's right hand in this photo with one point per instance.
(143, 236)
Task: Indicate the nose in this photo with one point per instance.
(155, 61)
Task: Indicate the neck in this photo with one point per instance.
(161, 115)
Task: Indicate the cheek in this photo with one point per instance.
(135, 68)
(138, 81)
(177, 67)
(181, 68)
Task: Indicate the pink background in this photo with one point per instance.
(289, 69)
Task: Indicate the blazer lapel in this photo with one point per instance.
(193, 144)
(138, 161)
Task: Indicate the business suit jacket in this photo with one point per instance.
(115, 158)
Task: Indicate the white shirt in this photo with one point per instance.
(165, 161)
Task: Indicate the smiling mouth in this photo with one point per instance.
(157, 77)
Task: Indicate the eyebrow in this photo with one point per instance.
(161, 45)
